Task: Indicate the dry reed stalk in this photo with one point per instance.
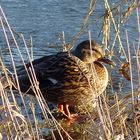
(115, 28)
(130, 69)
(92, 5)
(34, 83)
(11, 56)
(39, 96)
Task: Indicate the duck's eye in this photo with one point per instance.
(84, 51)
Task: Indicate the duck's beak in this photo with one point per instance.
(107, 61)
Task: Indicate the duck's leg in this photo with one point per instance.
(67, 112)
(60, 108)
(64, 108)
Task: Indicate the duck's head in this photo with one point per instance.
(90, 51)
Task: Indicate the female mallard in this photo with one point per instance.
(69, 79)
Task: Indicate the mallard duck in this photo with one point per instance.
(69, 79)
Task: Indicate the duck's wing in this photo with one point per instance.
(36, 62)
(49, 70)
(52, 64)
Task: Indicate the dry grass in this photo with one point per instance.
(113, 118)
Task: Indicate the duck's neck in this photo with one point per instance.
(73, 53)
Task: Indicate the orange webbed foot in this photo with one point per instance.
(64, 108)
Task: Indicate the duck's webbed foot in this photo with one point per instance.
(64, 108)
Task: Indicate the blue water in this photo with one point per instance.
(47, 20)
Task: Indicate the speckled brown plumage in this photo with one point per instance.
(69, 78)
